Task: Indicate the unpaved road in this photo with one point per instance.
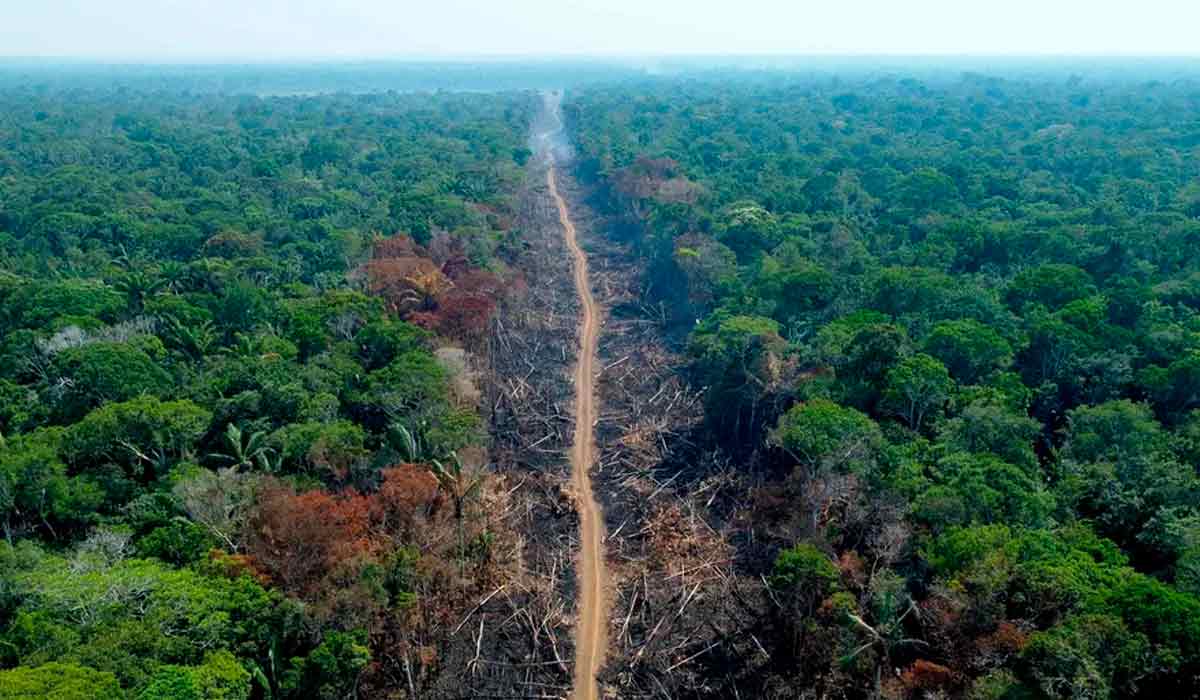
(590, 635)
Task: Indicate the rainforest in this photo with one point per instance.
(712, 380)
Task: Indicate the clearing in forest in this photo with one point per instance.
(590, 637)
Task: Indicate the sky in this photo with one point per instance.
(188, 30)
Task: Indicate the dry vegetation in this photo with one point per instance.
(515, 641)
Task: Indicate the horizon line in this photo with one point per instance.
(551, 57)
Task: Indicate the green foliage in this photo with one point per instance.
(1116, 467)
(411, 387)
(245, 450)
(738, 359)
(1177, 387)
(823, 435)
(38, 304)
(310, 445)
(985, 427)
(802, 579)
(104, 371)
(220, 677)
(1087, 656)
(898, 291)
(749, 230)
(959, 547)
(1000, 685)
(37, 491)
(242, 307)
(1116, 431)
(180, 542)
(18, 407)
(917, 387)
(145, 435)
(1052, 285)
(804, 566)
(926, 188)
(796, 287)
(331, 670)
(1170, 620)
(59, 681)
(453, 431)
(862, 363)
(129, 616)
(969, 349)
(382, 341)
(981, 488)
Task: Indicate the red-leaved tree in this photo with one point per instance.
(297, 537)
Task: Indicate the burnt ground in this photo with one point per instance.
(516, 642)
(682, 609)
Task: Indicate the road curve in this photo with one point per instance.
(590, 635)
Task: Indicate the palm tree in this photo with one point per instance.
(138, 286)
(176, 275)
(194, 340)
(406, 442)
(461, 486)
(246, 451)
(123, 260)
(154, 460)
(887, 635)
(244, 345)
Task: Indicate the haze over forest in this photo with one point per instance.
(183, 30)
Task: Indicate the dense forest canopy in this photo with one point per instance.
(953, 323)
(231, 412)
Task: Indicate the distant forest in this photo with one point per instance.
(312, 78)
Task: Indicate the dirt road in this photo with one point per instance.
(590, 635)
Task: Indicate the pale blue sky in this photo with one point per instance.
(278, 29)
